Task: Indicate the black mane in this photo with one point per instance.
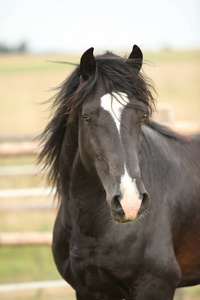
(168, 132)
(116, 74)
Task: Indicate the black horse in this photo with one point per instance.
(128, 225)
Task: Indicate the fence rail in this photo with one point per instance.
(21, 170)
(18, 148)
(28, 207)
(24, 286)
(25, 238)
(28, 192)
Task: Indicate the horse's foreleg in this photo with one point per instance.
(79, 297)
(154, 288)
(86, 297)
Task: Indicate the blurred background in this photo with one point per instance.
(33, 33)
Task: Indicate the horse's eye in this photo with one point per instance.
(144, 116)
(87, 119)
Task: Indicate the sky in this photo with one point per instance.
(76, 25)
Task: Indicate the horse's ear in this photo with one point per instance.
(87, 65)
(137, 55)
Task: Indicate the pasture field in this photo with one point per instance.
(25, 83)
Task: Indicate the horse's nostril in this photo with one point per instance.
(115, 203)
(117, 210)
(144, 204)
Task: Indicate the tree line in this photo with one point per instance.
(20, 48)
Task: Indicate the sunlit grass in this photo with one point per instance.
(20, 221)
(22, 181)
(16, 63)
(27, 263)
(18, 160)
(26, 82)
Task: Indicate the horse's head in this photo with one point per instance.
(110, 123)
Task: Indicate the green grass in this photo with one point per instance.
(18, 160)
(45, 66)
(172, 56)
(27, 263)
(30, 263)
(27, 220)
(193, 292)
(22, 181)
(31, 63)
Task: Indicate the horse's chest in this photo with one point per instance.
(85, 267)
(102, 266)
(100, 275)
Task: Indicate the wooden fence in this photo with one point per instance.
(21, 147)
(25, 238)
(25, 286)
(41, 238)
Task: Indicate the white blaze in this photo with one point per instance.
(115, 104)
(131, 200)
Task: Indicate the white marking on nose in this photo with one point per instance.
(131, 200)
(115, 103)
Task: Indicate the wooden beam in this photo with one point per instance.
(22, 148)
(25, 238)
(24, 286)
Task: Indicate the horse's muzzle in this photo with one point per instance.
(129, 207)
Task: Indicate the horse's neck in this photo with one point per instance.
(88, 201)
